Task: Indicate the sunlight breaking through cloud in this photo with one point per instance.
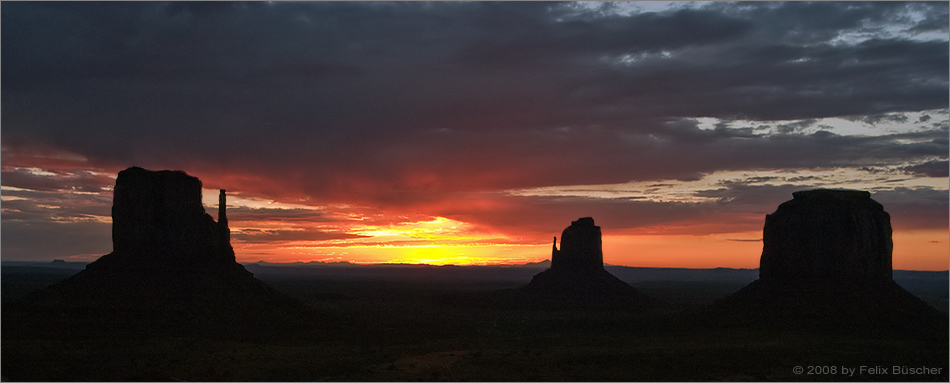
(691, 191)
(875, 125)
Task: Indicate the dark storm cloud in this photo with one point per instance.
(412, 105)
(538, 40)
(816, 22)
(929, 169)
(287, 80)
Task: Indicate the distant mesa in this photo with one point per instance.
(172, 265)
(577, 269)
(826, 257)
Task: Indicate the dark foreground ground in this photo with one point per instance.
(408, 323)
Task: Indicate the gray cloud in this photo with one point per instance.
(796, 126)
(878, 118)
(915, 208)
(158, 76)
(929, 169)
(407, 105)
(910, 208)
(83, 181)
(30, 206)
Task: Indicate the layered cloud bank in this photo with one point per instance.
(420, 132)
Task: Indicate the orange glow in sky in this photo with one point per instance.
(690, 251)
(921, 250)
(267, 230)
(411, 254)
(443, 241)
(458, 147)
(913, 250)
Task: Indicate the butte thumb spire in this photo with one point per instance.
(172, 267)
(223, 218)
(577, 269)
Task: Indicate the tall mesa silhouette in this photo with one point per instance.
(172, 268)
(826, 260)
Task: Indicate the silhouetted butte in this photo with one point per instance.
(826, 260)
(577, 269)
(172, 267)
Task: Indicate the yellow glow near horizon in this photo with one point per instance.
(412, 254)
(913, 250)
(441, 241)
(439, 231)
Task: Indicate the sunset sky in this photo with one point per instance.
(473, 133)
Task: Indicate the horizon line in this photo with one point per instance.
(59, 261)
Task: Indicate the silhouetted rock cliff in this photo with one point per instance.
(826, 260)
(581, 247)
(172, 267)
(158, 221)
(828, 234)
(578, 267)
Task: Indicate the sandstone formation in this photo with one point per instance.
(826, 260)
(581, 247)
(172, 267)
(158, 221)
(578, 267)
(840, 235)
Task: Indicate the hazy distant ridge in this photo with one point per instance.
(532, 265)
